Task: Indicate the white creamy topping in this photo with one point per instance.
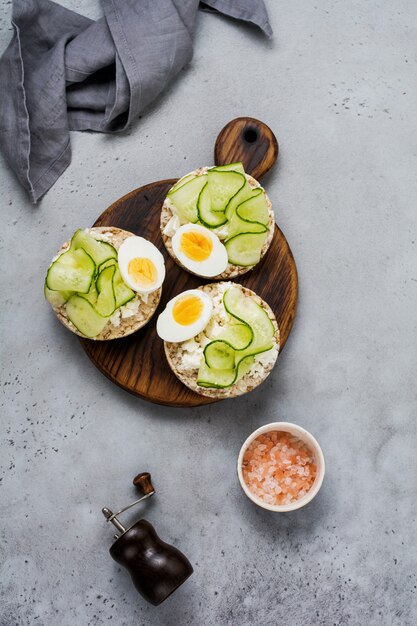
(191, 360)
(98, 236)
(222, 232)
(127, 310)
(130, 308)
(115, 319)
(172, 226)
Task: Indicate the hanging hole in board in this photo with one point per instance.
(250, 135)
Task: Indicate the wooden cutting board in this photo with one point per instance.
(137, 363)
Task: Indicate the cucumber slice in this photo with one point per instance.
(245, 249)
(206, 216)
(244, 366)
(239, 335)
(180, 183)
(235, 167)
(219, 355)
(122, 292)
(255, 209)
(185, 199)
(237, 226)
(223, 186)
(215, 378)
(85, 319)
(101, 295)
(99, 251)
(107, 263)
(242, 195)
(72, 271)
(220, 379)
(56, 298)
(250, 216)
(246, 310)
(92, 295)
(106, 300)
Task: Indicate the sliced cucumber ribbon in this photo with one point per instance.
(229, 357)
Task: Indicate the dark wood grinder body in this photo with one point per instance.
(156, 567)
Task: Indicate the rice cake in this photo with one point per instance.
(175, 353)
(232, 271)
(128, 318)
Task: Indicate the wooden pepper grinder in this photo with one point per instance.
(157, 569)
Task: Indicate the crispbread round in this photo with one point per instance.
(232, 271)
(127, 325)
(174, 353)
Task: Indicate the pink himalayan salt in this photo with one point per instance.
(278, 468)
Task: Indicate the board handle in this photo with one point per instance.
(250, 141)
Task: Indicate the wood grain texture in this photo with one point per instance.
(137, 363)
(250, 141)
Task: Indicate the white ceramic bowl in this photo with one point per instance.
(310, 441)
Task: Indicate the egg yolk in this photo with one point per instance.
(187, 310)
(142, 271)
(196, 245)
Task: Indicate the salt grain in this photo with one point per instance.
(278, 468)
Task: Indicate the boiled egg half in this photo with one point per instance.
(185, 316)
(141, 264)
(199, 250)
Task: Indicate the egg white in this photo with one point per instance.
(214, 265)
(134, 247)
(169, 330)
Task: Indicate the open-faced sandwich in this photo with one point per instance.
(217, 222)
(221, 340)
(105, 283)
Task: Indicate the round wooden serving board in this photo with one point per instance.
(137, 363)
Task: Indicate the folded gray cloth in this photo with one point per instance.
(63, 72)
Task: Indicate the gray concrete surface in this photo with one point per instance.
(338, 85)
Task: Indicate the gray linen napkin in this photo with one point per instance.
(62, 72)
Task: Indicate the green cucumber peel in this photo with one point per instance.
(180, 183)
(241, 250)
(84, 317)
(206, 216)
(102, 297)
(73, 270)
(56, 298)
(122, 292)
(255, 205)
(230, 377)
(219, 354)
(235, 167)
(107, 263)
(245, 193)
(185, 199)
(223, 186)
(99, 251)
